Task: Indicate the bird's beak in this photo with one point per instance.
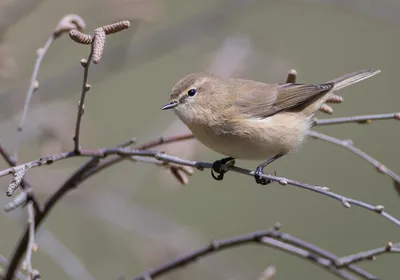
(170, 105)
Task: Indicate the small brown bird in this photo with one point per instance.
(245, 119)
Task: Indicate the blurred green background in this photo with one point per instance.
(133, 217)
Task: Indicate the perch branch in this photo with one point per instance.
(286, 243)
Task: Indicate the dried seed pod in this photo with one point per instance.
(19, 174)
(80, 37)
(116, 27)
(68, 23)
(99, 40)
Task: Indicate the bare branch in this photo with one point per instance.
(67, 23)
(368, 255)
(274, 238)
(357, 119)
(85, 89)
(348, 144)
(31, 243)
(34, 84)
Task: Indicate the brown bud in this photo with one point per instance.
(346, 203)
(283, 182)
(335, 99)
(381, 168)
(291, 77)
(389, 246)
(325, 108)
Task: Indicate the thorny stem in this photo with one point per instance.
(81, 105)
(32, 88)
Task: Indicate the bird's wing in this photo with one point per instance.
(263, 100)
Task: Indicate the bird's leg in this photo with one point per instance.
(220, 167)
(260, 170)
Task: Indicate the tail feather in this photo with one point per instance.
(315, 104)
(353, 78)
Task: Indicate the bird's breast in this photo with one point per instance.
(253, 139)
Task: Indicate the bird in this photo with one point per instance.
(251, 120)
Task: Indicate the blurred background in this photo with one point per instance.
(133, 217)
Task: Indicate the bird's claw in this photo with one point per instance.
(220, 167)
(259, 179)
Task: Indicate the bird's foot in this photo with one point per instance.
(220, 167)
(258, 176)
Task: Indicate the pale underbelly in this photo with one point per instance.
(257, 144)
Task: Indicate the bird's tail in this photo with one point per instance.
(339, 83)
(352, 78)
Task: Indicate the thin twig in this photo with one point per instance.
(78, 177)
(368, 255)
(31, 241)
(81, 105)
(357, 119)
(295, 251)
(348, 144)
(298, 247)
(33, 86)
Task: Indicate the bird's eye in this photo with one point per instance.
(192, 92)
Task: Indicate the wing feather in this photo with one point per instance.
(261, 100)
